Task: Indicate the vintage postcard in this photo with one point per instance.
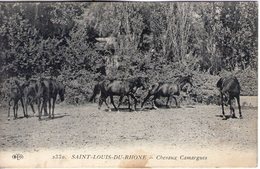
(128, 84)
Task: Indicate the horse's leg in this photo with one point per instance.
(222, 105)
(100, 102)
(42, 106)
(170, 101)
(25, 114)
(9, 109)
(26, 105)
(50, 112)
(39, 107)
(45, 109)
(134, 100)
(107, 105)
(38, 102)
(145, 99)
(53, 106)
(14, 108)
(239, 107)
(40, 111)
(129, 103)
(153, 102)
(32, 108)
(168, 98)
(120, 101)
(232, 111)
(112, 101)
(177, 104)
(45, 100)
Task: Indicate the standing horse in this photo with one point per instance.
(167, 89)
(229, 88)
(16, 95)
(47, 93)
(29, 93)
(110, 88)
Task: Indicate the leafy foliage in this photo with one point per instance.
(82, 43)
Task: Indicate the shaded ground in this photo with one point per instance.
(85, 126)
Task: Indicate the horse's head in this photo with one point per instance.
(142, 82)
(183, 81)
(187, 88)
(190, 80)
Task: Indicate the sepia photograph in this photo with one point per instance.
(128, 84)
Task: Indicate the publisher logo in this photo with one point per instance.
(17, 156)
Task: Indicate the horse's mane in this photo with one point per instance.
(137, 79)
(219, 83)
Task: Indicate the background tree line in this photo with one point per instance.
(80, 43)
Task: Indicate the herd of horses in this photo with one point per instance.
(44, 92)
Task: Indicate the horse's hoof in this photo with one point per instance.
(8, 119)
(224, 118)
(241, 117)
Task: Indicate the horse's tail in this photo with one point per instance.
(95, 92)
(219, 83)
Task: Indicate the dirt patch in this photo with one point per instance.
(84, 127)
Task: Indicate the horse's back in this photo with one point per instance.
(118, 87)
(166, 89)
(229, 84)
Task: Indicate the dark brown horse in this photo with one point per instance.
(48, 91)
(29, 93)
(126, 87)
(16, 95)
(229, 88)
(167, 89)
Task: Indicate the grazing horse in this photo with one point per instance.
(47, 93)
(110, 88)
(229, 88)
(167, 89)
(16, 95)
